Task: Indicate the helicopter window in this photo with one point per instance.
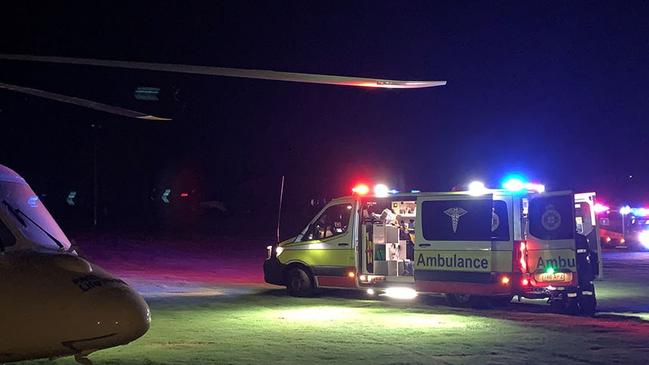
(32, 211)
(6, 237)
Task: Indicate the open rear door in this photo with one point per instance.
(551, 238)
(588, 225)
(453, 250)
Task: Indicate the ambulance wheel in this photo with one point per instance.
(468, 300)
(458, 300)
(298, 283)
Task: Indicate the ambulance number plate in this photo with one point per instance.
(554, 277)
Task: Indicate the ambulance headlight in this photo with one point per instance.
(643, 237)
(278, 251)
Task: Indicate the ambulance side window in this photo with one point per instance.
(332, 222)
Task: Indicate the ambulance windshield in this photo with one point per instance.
(22, 207)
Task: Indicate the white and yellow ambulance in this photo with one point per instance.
(480, 246)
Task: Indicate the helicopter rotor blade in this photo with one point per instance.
(233, 72)
(82, 102)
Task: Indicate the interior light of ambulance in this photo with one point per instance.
(477, 188)
(625, 210)
(361, 189)
(643, 237)
(381, 190)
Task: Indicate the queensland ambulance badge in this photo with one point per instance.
(551, 219)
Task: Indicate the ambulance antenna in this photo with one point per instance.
(279, 210)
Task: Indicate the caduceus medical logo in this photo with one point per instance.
(455, 214)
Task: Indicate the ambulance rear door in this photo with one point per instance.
(588, 225)
(454, 243)
(551, 254)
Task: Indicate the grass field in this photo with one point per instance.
(210, 306)
(244, 325)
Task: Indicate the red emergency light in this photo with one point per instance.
(361, 189)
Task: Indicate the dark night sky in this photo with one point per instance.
(556, 90)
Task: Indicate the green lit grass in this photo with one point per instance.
(259, 326)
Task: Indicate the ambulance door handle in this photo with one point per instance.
(343, 244)
(424, 245)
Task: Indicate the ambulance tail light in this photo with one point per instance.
(520, 256)
(519, 264)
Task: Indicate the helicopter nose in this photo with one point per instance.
(123, 314)
(118, 315)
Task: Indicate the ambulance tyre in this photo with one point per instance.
(468, 300)
(298, 283)
(458, 300)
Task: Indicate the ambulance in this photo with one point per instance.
(479, 247)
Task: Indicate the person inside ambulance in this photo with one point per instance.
(386, 216)
(332, 222)
(406, 235)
